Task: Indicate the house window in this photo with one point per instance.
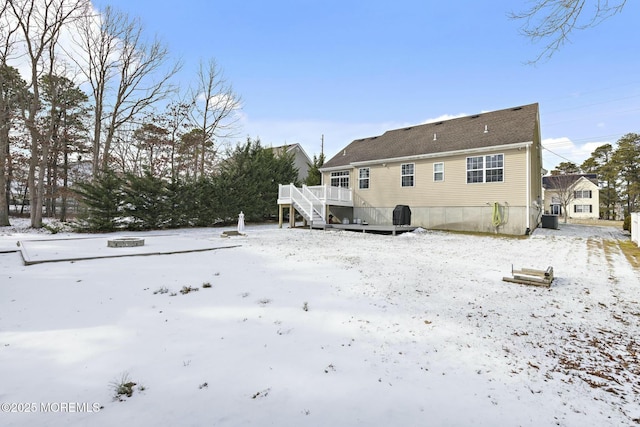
(582, 194)
(438, 172)
(363, 178)
(582, 208)
(408, 174)
(340, 179)
(475, 169)
(485, 168)
(495, 168)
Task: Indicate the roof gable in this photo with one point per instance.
(509, 126)
(553, 182)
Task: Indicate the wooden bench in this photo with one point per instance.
(530, 276)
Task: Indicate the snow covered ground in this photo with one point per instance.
(313, 328)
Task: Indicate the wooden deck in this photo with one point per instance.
(392, 229)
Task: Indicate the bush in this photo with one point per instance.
(626, 225)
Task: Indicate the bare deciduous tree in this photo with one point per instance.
(562, 186)
(9, 79)
(214, 104)
(118, 61)
(98, 40)
(551, 21)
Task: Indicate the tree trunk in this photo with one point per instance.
(65, 183)
(4, 183)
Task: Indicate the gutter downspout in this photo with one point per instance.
(528, 175)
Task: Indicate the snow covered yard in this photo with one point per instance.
(297, 327)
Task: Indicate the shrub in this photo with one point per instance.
(123, 387)
(626, 225)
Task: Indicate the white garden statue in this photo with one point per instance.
(241, 222)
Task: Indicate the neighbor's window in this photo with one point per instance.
(485, 168)
(340, 179)
(582, 208)
(582, 194)
(363, 178)
(408, 174)
(438, 172)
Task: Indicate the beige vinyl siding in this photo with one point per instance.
(386, 188)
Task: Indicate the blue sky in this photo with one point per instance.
(353, 69)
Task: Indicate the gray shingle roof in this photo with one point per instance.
(552, 182)
(512, 125)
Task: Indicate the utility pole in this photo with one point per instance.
(322, 145)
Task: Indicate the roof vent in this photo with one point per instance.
(517, 108)
(486, 128)
(476, 116)
(439, 123)
(435, 137)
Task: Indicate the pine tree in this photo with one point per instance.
(627, 160)
(249, 179)
(314, 177)
(147, 202)
(103, 201)
(601, 163)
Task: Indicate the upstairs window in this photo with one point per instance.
(408, 174)
(438, 172)
(582, 194)
(485, 168)
(363, 178)
(340, 179)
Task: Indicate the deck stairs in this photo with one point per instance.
(308, 205)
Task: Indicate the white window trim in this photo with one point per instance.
(485, 169)
(584, 194)
(413, 184)
(361, 179)
(579, 208)
(340, 175)
(435, 172)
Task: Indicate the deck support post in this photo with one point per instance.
(292, 217)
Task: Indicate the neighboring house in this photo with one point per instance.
(476, 173)
(581, 191)
(300, 158)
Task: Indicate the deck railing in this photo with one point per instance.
(304, 204)
(313, 200)
(330, 194)
(318, 205)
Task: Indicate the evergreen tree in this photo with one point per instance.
(12, 94)
(601, 163)
(249, 179)
(627, 161)
(314, 177)
(147, 202)
(566, 168)
(66, 105)
(103, 201)
(180, 203)
(205, 201)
